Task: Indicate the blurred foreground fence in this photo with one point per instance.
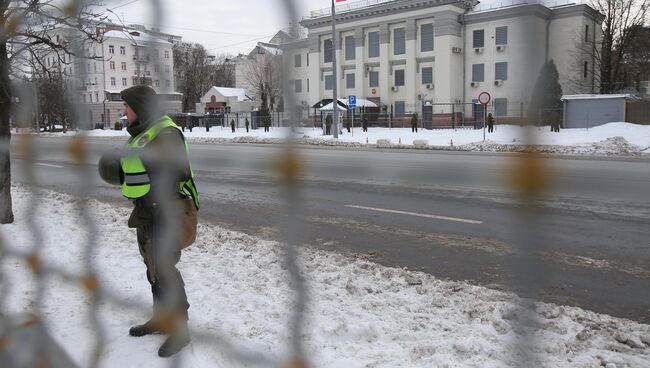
(24, 340)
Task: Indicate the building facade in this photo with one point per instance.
(120, 59)
(435, 57)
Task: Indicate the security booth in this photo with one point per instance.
(587, 111)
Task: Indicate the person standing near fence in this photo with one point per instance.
(328, 124)
(490, 123)
(154, 172)
(247, 124)
(364, 123)
(232, 125)
(414, 122)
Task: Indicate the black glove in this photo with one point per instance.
(110, 168)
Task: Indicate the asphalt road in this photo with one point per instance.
(585, 242)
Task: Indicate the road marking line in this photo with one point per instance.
(48, 165)
(415, 214)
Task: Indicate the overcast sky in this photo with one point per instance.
(222, 26)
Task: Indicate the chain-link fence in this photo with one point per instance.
(24, 339)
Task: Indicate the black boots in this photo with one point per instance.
(148, 328)
(175, 342)
(176, 328)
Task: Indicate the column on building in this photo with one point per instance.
(448, 68)
(410, 72)
(314, 71)
(360, 84)
(385, 74)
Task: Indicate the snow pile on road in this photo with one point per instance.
(359, 313)
(615, 146)
(506, 138)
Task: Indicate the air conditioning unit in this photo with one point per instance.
(501, 48)
(429, 86)
(456, 50)
(498, 82)
(474, 84)
(393, 88)
(478, 50)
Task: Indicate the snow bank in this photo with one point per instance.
(608, 139)
(361, 314)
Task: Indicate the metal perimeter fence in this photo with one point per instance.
(30, 339)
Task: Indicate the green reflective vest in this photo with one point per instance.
(136, 178)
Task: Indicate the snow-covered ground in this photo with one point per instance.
(608, 139)
(360, 314)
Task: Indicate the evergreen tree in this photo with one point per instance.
(546, 102)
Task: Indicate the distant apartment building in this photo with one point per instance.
(122, 58)
(437, 56)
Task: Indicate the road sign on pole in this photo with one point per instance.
(484, 99)
(352, 101)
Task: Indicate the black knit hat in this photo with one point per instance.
(143, 100)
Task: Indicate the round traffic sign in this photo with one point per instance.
(484, 98)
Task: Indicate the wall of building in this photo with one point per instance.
(535, 34)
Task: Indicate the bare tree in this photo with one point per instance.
(623, 21)
(263, 76)
(54, 101)
(197, 71)
(27, 28)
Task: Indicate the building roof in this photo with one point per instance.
(240, 93)
(594, 97)
(138, 37)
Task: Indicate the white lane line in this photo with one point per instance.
(48, 165)
(425, 215)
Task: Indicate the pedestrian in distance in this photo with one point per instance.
(328, 124)
(490, 123)
(414, 122)
(154, 172)
(247, 124)
(232, 125)
(267, 123)
(364, 123)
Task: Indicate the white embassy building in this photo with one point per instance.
(435, 57)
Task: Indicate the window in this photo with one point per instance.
(373, 44)
(111, 49)
(501, 35)
(122, 50)
(123, 66)
(501, 106)
(427, 75)
(373, 78)
(399, 41)
(156, 68)
(95, 66)
(124, 82)
(349, 81)
(96, 96)
(112, 65)
(307, 78)
(329, 82)
(586, 32)
(297, 61)
(166, 68)
(157, 83)
(501, 71)
(399, 108)
(166, 54)
(585, 71)
(112, 81)
(426, 37)
(327, 51)
(477, 73)
(350, 53)
(477, 38)
(399, 77)
(298, 86)
(307, 57)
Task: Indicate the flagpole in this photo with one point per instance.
(335, 100)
